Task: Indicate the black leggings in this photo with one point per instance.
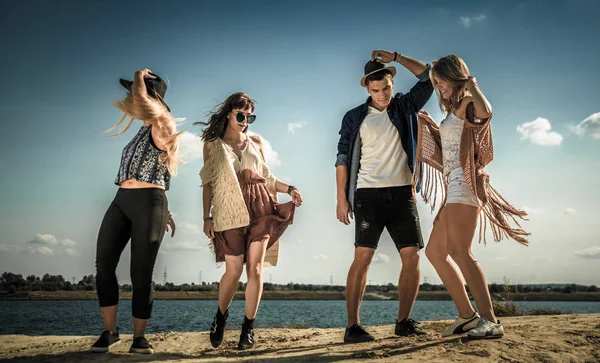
(142, 215)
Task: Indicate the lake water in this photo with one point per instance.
(83, 317)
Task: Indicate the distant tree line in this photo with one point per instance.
(11, 283)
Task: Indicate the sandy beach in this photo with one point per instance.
(559, 338)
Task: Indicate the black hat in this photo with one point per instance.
(375, 66)
(156, 88)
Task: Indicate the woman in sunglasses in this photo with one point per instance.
(241, 213)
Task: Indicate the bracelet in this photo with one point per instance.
(396, 55)
(291, 188)
(208, 219)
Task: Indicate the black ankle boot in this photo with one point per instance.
(247, 336)
(217, 329)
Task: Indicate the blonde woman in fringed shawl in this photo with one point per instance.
(140, 210)
(458, 150)
(241, 213)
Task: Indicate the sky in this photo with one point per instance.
(536, 61)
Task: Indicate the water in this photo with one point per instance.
(83, 317)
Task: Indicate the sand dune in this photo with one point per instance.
(561, 338)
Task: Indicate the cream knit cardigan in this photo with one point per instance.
(228, 207)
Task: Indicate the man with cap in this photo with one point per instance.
(374, 168)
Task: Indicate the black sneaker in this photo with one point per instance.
(106, 340)
(217, 329)
(247, 335)
(141, 345)
(357, 334)
(408, 327)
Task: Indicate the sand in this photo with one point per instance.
(559, 338)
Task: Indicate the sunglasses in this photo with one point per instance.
(240, 117)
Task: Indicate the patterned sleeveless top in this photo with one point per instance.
(451, 130)
(140, 161)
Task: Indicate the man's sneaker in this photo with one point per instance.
(106, 340)
(217, 329)
(461, 325)
(141, 345)
(408, 327)
(357, 334)
(485, 329)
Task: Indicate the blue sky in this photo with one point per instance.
(302, 62)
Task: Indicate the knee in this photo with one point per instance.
(234, 271)
(254, 270)
(460, 255)
(434, 255)
(363, 260)
(411, 260)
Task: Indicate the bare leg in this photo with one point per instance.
(230, 281)
(437, 253)
(109, 315)
(254, 267)
(461, 222)
(408, 282)
(357, 282)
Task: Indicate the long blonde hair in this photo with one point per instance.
(146, 109)
(453, 70)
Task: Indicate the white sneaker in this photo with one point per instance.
(485, 329)
(461, 325)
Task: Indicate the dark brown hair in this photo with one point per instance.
(217, 121)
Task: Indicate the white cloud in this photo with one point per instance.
(44, 239)
(592, 253)
(190, 146)
(570, 211)
(185, 246)
(67, 243)
(381, 258)
(293, 126)
(271, 155)
(71, 252)
(531, 210)
(45, 251)
(467, 21)
(319, 258)
(538, 132)
(589, 127)
(9, 248)
(189, 228)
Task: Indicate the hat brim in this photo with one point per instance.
(127, 84)
(392, 70)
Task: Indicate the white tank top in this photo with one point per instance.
(451, 130)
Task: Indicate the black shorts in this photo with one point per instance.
(392, 208)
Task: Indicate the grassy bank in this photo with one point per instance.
(292, 295)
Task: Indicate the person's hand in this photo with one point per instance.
(343, 212)
(209, 230)
(171, 223)
(425, 115)
(296, 197)
(383, 56)
(471, 82)
(144, 73)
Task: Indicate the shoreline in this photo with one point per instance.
(292, 295)
(558, 338)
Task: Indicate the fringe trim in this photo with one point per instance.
(430, 179)
(496, 213)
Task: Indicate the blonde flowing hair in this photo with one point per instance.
(146, 109)
(453, 70)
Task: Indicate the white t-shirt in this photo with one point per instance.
(383, 161)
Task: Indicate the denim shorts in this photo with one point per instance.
(458, 190)
(392, 208)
